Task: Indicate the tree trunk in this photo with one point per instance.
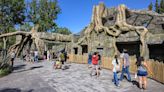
(4, 43)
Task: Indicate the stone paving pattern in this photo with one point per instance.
(41, 77)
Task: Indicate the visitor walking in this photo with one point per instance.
(116, 69)
(27, 58)
(48, 55)
(90, 60)
(125, 66)
(31, 56)
(99, 60)
(12, 55)
(95, 64)
(36, 56)
(142, 72)
(65, 56)
(61, 57)
(45, 55)
(24, 55)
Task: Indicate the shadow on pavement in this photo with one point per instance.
(14, 90)
(31, 68)
(35, 67)
(134, 82)
(19, 67)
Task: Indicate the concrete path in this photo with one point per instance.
(41, 77)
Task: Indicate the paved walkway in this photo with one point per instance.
(40, 77)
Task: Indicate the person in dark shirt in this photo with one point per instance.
(99, 60)
(126, 64)
(89, 60)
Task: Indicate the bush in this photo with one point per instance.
(4, 71)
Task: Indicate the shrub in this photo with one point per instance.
(5, 71)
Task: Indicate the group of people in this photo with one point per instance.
(31, 56)
(47, 55)
(116, 62)
(61, 59)
(94, 61)
(141, 72)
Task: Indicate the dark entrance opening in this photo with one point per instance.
(84, 49)
(156, 51)
(133, 48)
(75, 50)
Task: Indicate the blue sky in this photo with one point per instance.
(76, 14)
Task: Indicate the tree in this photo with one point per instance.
(25, 27)
(11, 13)
(161, 7)
(62, 30)
(150, 7)
(43, 13)
(157, 6)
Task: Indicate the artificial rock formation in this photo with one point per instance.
(38, 38)
(116, 22)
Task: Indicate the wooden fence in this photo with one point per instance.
(156, 67)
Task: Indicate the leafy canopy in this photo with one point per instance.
(43, 12)
(11, 13)
(62, 30)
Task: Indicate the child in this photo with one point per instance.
(57, 64)
(116, 68)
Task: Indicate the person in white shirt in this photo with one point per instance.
(116, 68)
(48, 55)
(36, 56)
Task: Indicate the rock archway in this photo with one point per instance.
(35, 37)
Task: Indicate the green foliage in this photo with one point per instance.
(11, 13)
(43, 12)
(62, 30)
(157, 6)
(23, 12)
(150, 7)
(161, 10)
(25, 27)
(5, 71)
(11, 40)
(1, 44)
